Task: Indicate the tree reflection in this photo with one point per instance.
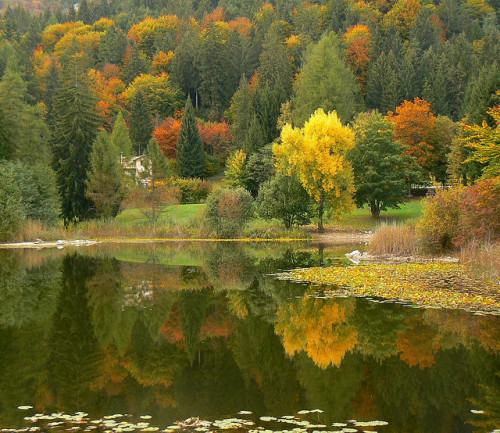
(320, 328)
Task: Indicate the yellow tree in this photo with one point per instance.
(316, 153)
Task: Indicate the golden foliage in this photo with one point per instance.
(318, 328)
(316, 154)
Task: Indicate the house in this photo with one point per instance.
(138, 167)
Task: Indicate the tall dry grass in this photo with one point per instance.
(483, 259)
(395, 239)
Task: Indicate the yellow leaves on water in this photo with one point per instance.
(447, 285)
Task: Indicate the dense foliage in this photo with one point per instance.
(250, 68)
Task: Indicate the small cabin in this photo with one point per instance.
(138, 167)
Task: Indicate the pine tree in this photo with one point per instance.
(104, 183)
(113, 45)
(85, 12)
(135, 64)
(75, 128)
(190, 155)
(120, 136)
(325, 81)
(141, 122)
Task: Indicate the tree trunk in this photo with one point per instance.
(321, 228)
(375, 209)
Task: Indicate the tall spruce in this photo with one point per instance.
(74, 130)
(190, 155)
(120, 136)
(104, 183)
(141, 122)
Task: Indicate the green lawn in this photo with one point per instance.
(179, 214)
(361, 219)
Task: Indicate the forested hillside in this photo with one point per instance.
(248, 67)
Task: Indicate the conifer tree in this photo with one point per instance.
(75, 127)
(190, 155)
(141, 122)
(120, 136)
(104, 183)
(325, 81)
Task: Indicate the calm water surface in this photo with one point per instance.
(203, 330)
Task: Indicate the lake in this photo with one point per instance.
(121, 338)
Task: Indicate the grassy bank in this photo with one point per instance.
(362, 220)
(187, 222)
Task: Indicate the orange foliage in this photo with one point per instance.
(417, 345)
(161, 62)
(167, 136)
(414, 125)
(111, 375)
(242, 24)
(359, 47)
(216, 137)
(216, 16)
(108, 87)
(319, 328)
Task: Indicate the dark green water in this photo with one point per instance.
(202, 330)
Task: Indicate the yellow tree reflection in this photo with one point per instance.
(318, 327)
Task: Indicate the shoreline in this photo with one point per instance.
(331, 238)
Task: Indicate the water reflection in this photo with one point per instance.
(203, 330)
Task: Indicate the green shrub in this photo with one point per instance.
(269, 229)
(192, 190)
(284, 198)
(228, 210)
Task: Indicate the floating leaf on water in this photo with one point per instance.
(339, 424)
(25, 407)
(370, 423)
(317, 411)
(244, 412)
(267, 418)
(477, 411)
(303, 412)
(145, 417)
(349, 430)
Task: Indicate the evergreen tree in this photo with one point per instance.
(85, 12)
(481, 95)
(213, 72)
(185, 65)
(120, 136)
(190, 155)
(135, 64)
(104, 183)
(141, 122)
(241, 113)
(75, 128)
(275, 70)
(23, 135)
(113, 45)
(325, 82)
(51, 86)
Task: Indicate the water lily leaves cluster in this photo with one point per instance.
(447, 285)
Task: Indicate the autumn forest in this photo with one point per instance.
(116, 106)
